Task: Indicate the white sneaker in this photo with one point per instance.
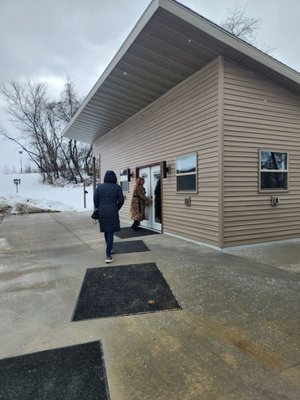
(109, 259)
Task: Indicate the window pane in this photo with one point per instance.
(124, 186)
(272, 160)
(273, 180)
(186, 164)
(186, 183)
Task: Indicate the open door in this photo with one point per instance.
(152, 177)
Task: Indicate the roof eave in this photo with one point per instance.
(153, 6)
(227, 38)
(214, 31)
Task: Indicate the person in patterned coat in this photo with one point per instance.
(138, 203)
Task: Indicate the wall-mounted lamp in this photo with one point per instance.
(129, 174)
(126, 175)
(166, 169)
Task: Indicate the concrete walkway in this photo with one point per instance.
(237, 336)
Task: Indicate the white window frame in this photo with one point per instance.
(188, 173)
(124, 180)
(286, 171)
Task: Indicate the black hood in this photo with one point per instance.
(110, 177)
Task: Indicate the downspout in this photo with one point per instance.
(94, 175)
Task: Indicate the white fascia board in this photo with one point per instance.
(146, 16)
(227, 38)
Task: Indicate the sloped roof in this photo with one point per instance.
(169, 43)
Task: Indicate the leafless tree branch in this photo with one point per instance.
(41, 123)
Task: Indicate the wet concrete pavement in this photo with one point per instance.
(236, 337)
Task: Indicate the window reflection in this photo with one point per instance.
(274, 161)
(186, 164)
(186, 173)
(186, 183)
(272, 180)
(273, 170)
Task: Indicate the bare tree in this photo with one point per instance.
(41, 123)
(28, 106)
(77, 156)
(240, 25)
(32, 155)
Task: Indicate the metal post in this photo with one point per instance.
(99, 167)
(21, 169)
(94, 175)
(84, 195)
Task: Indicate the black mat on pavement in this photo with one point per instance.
(133, 246)
(123, 290)
(126, 233)
(68, 373)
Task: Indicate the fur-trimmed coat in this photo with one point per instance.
(138, 203)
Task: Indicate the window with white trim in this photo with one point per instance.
(186, 173)
(124, 180)
(124, 186)
(273, 170)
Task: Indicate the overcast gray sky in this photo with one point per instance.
(48, 39)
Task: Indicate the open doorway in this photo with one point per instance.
(152, 177)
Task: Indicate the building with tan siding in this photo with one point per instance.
(210, 122)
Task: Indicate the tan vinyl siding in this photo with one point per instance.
(183, 121)
(258, 115)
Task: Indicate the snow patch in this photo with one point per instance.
(34, 193)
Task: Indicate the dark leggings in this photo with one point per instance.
(109, 239)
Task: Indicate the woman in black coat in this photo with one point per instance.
(108, 200)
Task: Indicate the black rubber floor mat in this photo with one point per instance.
(123, 290)
(127, 233)
(132, 246)
(69, 373)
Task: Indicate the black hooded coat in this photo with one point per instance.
(108, 199)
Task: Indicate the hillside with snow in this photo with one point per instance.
(32, 192)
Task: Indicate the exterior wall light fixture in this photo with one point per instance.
(129, 174)
(166, 169)
(126, 175)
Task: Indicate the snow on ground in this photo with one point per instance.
(33, 192)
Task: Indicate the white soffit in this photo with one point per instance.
(168, 44)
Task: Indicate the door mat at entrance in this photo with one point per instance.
(123, 290)
(69, 373)
(126, 233)
(133, 246)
